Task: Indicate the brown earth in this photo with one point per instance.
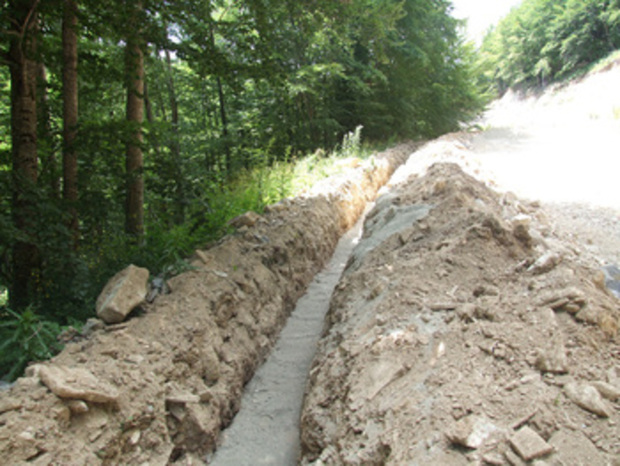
(461, 322)
(469, 327)
(158, 388)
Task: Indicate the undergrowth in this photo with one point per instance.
(32, 334)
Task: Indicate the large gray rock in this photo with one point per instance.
(125, 290)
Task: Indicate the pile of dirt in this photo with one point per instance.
(158, 388)
(464, 331)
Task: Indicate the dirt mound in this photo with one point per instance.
(463, 331)
(160, 387)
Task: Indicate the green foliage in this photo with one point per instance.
(237, 93)
(25, 337)
(546, 40)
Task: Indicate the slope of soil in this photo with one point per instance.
(467, 333)
(158, 388)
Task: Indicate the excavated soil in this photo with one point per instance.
(462, 322)
(158, 388)
(472, 327)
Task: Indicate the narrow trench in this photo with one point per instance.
(266, 429)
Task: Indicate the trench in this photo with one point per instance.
(265, 431)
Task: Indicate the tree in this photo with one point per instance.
(23, 69)
(134, 69)
(70, 113)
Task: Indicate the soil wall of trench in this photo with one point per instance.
(159, 388)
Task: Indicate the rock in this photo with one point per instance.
(587, 397)
(529, 445)
(182, 398)
(573, 447)
(76, 383)
(9, 404)
(609, 391)
(158, 286)
(612, 279)
(126, 290)
(494, 459)
(568, 299)
(545, 263)
(77, 406)
(91, 326)
(472, 431)
(553, 359)
(521, 229)
(248, 219)
(513, 459)
(466, 312)
(202, 256)
(211, 366)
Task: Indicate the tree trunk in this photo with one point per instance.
(70, 114)
(223, 117)
(134, 69)
(47, 153)
(175, 148)
(24, 149)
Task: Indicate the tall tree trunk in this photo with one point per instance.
(70, 114)
(47, 154)
(223, 116)
(220, 93)
(175, 148)
(24, 148)
(134, 69)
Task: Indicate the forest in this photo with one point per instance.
(131, 131)
(542, 41)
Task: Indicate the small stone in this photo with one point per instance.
(248, 219)
(545, 263)
(92, 325)
(529, 445)
(9, 404)
(513, 459)
(182, 398)
(123, 293)
(202, 256)
(134, 437)
(442, 306)
(466, 312)
(568, 299)
(62, 414)
(607, 390)
(472, 431)
(553, 359)
(587, 397)
(77, 406)
(494, 459)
